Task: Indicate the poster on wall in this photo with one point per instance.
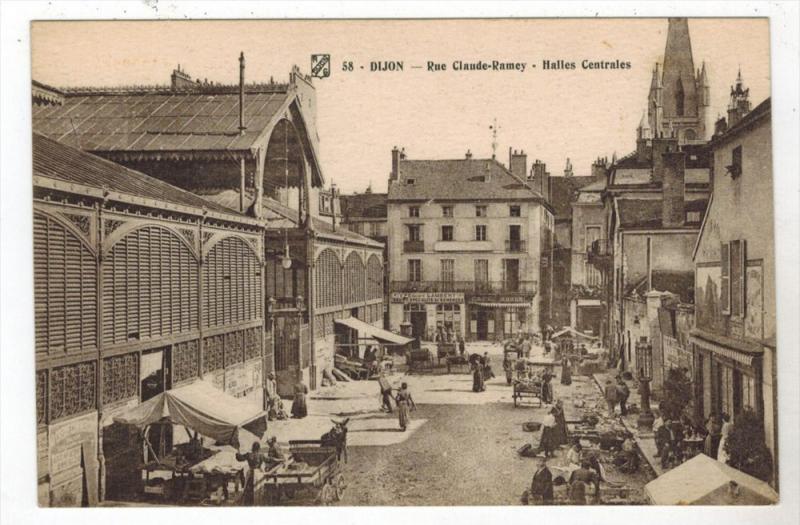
(754, 309)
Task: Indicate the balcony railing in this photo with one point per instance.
(509, 286)
(413, 246)
(598, 253)
(515, 246)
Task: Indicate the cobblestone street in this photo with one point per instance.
(458, 453)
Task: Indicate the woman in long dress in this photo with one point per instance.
(722, 455)
(566, 371)
(546, 441)
(405, 403)
(477, 377)
(560, 433)
(299, 406)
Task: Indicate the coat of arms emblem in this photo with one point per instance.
(320, 66)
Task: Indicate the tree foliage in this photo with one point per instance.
(746, 447)
(677, 393)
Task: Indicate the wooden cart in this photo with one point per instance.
(420, 360)
(312, 475)
(527, 389)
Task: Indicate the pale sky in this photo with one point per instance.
(361, 115)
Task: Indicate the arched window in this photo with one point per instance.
(679, 98)
(353, 279)
(65, 289)
(689, 134)
(150, 287)
(374, 277)
(328, 281)
(231, 283)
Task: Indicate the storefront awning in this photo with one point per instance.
(367, 330)
(739, 351)
(202, 408)
(502, 305)
(706, 481)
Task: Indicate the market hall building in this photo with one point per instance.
(468, 239)
(243, 150)
(140, 287)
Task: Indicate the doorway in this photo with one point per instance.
(154, 370)
(419, 322)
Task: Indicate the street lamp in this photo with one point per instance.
(644, 361)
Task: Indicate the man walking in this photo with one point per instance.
(623, 392)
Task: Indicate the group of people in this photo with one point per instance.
(274, 402)
(672, 435)
(578, 469)
(446, 335)
(256, 458)
(617, 394)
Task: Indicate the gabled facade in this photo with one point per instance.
(467, 241)
(734, 336)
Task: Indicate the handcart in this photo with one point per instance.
(527, 389)
(312, 475)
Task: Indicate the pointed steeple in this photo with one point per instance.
(678, 79)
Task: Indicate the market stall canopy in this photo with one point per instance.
(706, 481)
(202, 408)
(571, 332)
(367, 330)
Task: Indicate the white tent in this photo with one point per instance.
(706, 481)
(202, 408)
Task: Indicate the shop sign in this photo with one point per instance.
(498, 299)
(427, 297)
(66, 439)
(243, 378)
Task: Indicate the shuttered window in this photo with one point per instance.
(725, 279)
(65, 289)
(328, 279)
(231, 283)
(150, 287)
(353, 279)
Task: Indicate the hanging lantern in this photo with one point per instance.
(286, 259)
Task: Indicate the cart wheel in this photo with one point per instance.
(326, 494)
(338, 486)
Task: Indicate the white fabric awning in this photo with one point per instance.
(367, 330)
(706, 481)
(199, 407)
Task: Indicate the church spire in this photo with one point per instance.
(678, 79)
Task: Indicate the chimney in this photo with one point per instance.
(180, 79)
(673, 213)
(395, 163)
(599, 169)
(662, 146)
(541, 179)
(468, 155)
(720, 126)
(518, 163)
(241, 93)
(568, 168)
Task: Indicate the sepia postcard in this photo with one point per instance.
(404, 262)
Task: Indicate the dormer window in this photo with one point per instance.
(410, 182)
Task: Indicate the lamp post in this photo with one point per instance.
(644, 362)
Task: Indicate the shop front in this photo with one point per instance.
(727, 376)
(430, 313)
(491, 319)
